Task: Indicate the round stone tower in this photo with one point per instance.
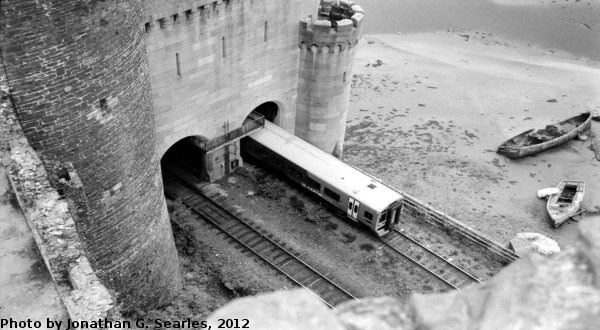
(327, 49)
(78, 74)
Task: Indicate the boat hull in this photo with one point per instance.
(511, 149)
(566, 203)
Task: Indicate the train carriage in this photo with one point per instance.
(359, 196)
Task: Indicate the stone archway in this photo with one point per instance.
(269, 110)
(188, 153)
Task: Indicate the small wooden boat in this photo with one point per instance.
(567, 202)
(534, 141)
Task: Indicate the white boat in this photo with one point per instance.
(567, 202)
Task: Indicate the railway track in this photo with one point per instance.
(251, 237)
(436, 265)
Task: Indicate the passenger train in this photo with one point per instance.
(359, 196)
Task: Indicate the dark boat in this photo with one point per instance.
(534, 141)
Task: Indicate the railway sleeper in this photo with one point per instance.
(305, 277)
(247, 236)
(238, 229)
(252, 240)
(256, 244)
(282, 259)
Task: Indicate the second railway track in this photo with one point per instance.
(247, 235)
(436, 265)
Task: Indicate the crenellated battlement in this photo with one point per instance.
(337, 27)
(326, 52)
(202, 10)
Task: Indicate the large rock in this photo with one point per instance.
(525, 243)
(375, 314)
(535, 292)
(289, 310)
(589, 235)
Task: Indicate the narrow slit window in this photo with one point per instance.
(175, 18)
(266, 36)
(188, 14)
(201, 9)
(344, 77)
(161, 23)
(178, 64)
(147, 26)
(104, 108)
(224, 49)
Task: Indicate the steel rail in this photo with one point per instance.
(417, 263)
(316, 276)
(446, 261)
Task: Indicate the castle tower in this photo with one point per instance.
(78, 73)
(327, 49)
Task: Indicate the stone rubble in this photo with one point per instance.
(51, 223)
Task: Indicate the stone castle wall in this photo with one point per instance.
(79, 79)
(213, 62)
(104, 88)
(327, 45)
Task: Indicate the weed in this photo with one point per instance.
(331, 226)
(297, 204)
(348, 238)
(367, 247)
(273, 189)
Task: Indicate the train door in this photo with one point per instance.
(352, 210)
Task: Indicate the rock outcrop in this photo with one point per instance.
(535, 292)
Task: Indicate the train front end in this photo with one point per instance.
(389, 218)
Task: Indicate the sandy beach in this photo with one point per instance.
(429, 118)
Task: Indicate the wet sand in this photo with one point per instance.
(571, 25)
(430, 118)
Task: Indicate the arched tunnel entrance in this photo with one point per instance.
(210, 160)
(187, 154)
(269, 110)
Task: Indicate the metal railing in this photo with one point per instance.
(254, 122)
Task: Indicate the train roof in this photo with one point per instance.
(326, 167)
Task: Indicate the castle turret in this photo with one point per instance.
(78, 74)
(327, 46)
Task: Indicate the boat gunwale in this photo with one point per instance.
(513, 151)
(553, 200)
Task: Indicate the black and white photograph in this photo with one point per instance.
(300, 164)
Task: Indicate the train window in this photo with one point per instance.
(368, 215)
(313, 184)
(355, 208)
(382, 217)
(331, 194)
(349, 205)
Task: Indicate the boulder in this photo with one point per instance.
(383, 313)
(525, 243)
(291, 310)
(589, 245)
